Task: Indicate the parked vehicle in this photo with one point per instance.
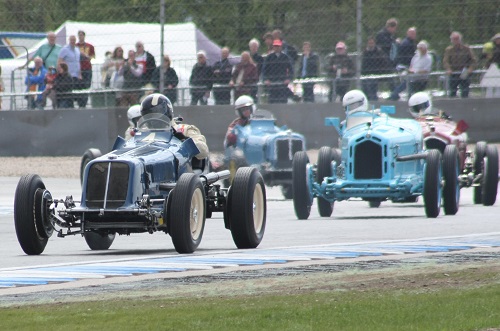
(151, 182)
(380, 158)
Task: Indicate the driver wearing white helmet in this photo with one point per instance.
(355, 101)
(245, 107)
(420, 104)
(133, 115)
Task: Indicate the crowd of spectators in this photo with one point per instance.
(403, 65)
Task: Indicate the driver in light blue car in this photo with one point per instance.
(245, 107)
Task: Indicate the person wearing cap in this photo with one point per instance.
(418, 72)
(459, 62)
(201, 80)
(277, 74)
(495, 57)
(340, 70)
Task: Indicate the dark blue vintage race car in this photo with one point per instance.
(149, 183)
(267, 147)
(380, 158)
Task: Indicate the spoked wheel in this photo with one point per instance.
(187, 213)
(432, 183)
(325, 157)
(99, 242)
(479, 154)
(32, 214)
(248, 209)
(451, 190)
(302, 198)
(489, 182)
(89, 155)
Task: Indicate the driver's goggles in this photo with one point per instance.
(354, 105)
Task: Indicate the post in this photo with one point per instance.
(162, 28)
(359, 42)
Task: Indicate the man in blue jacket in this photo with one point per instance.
(35, 82)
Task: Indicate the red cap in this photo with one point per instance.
(277, 42)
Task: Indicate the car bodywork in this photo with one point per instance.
(152, 182)
(380, 158)
(477, 167)
(267, 147)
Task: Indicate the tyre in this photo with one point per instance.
(89, 155)
(248, 208)
(287, 191)
(99, 242)
(32, 214)
(451, 171)
(302, 198)
(489, 183)
(374, 203)
(479, 154)
(187, 213)
(432, 183)
(325, 158)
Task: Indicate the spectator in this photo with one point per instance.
(387, 42)
(418, 72)
(63, 85)
(35, 82)
(371, 64)
(87, 53)
(200, 80)
(245, 107)
(222, 71)
(104, 71)
(286, 48)
(70, 54)
(132, 82)
(341, 70)
(258, 59)
(407, 48)
(245, 76)
(277, 74)
(2, 87)
(308, 68)
(495, 57)
(112, 64)
(268, 41)
(49, 92)
(170, 79)
(147, 62)
(49, 52)
(459, 62)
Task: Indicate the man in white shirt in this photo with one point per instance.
(418, 72)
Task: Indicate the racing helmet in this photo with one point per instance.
(157, 103)
(133, 115)
(243, 103)
(420, 103)
(355, 101)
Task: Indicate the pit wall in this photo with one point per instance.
(71, 132)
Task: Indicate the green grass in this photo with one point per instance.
(370, 309)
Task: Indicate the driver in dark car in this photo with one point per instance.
(245, 107)
(157, 103)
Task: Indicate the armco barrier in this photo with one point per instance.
(71, 132)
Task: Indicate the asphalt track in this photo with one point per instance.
(354, 232)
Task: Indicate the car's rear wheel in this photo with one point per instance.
(248, 208)
(99, 242)
(89, 155)
(187, 213)
(32, 214)
(432, 183)
(451, 190)
(479, 154)
(302, 199)
(325, 158)
(489, 182)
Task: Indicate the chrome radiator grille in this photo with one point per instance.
(285, 149)
(107, 185)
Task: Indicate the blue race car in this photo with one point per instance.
(380, 158)
(152, 182)
(263, 145)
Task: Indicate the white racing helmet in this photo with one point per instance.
(420, 103)
(133, 115)
(355, 101)
(242, 103)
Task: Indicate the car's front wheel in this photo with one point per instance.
(489, 182)
(432, 183)
(302, 199)
(187, 213)
(89, 155)
(451, 190)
